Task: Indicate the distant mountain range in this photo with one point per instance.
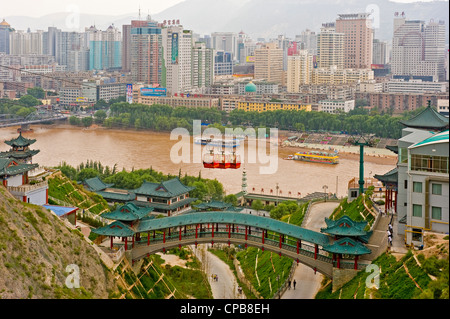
(258, 18)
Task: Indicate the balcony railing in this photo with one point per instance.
(23, 189)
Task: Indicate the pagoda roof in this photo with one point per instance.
(11, 167)
(20, 141)
(116, 228)
(19, 154)
(117, 196)
(128, 212)
(96, 184)
(345, 226)
(348, 246)
(389, 177)
(427, 119)
(156, 205)
(167, 189)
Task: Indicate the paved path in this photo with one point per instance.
(308, 283)
(226, 286)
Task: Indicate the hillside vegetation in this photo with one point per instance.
(35, 249)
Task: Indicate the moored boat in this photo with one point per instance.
(317, 157)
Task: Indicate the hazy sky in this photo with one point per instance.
(34, 8)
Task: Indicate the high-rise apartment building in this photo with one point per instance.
(26, 42)
(146, 52)
(126, 47)
(202, 66)
(330, 47)
(307, 41)
(299, 71)
(223, 63)
(269, 63)
(105, 48)
(225, 41)
(177, 44)
(418, 49)
(358, 39)
(5, 30)
(379, 55)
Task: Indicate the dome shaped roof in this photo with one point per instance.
(4, 23)
(250, 87)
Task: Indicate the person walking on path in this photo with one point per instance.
(294, 283)
(289, 284)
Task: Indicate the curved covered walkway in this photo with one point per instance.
(308, 247)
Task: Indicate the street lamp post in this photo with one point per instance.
(325, 187)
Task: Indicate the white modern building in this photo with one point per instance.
(177, 47)
(418, 49)
(336, 106)
(414, 86)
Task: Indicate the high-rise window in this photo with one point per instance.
(417, 187)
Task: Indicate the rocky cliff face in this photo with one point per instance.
(39, 254)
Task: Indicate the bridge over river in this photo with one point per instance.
(320, 251)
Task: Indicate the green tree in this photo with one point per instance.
(257, 205)
(232, 199)
(36, 92)
(87, 121)
(29, 100)
(73, 120)
(100, 116)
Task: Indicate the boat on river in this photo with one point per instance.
(317, 157)
(218, 142)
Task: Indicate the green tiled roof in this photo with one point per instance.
(174, 205)
(227, 217)
(344, 226)
(389, 177)
(347, 246)
(19, 154)
(167, 189)
(428, 118)
(442, 137)
(128, 212)
(116, 228)
(20, 141)
(10, 167)
(124, 197)
(96, 184)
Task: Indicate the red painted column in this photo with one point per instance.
(280, 240)
(385, 199)
(229, 231)
(111, 241)
(339, 260)
(164, 237)
(356, 262)
(395, 194)
(179, 236)
(263, 236)
(316, 249)
(126, 243)
(212, 231)
(196, 231)
(148, 238)
(246, 232)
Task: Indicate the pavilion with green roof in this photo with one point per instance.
(428, 119)
(349, 237)
(20, 149)
(126, 220)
